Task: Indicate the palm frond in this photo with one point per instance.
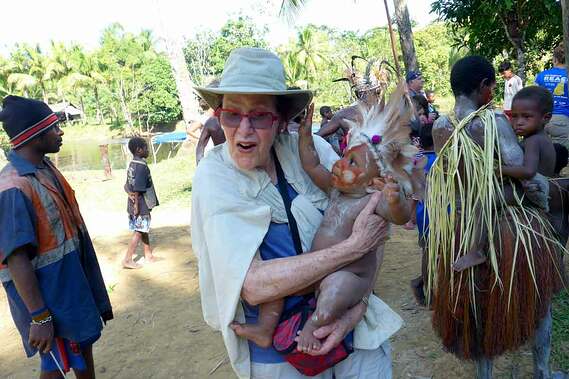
(290, 9)
(22, 81)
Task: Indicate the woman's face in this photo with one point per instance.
(250, 148)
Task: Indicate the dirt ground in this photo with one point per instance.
(158, 331)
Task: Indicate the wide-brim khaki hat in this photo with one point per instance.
(255, 71)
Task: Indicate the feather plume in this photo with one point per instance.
(385, 130)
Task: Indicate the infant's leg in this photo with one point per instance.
(476, 255)
(339, 291)
(262, 332)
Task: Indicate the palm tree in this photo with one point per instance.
(290, 8)
(27, 71)
(90, 66)
(293, 70)
(59, 67)
(309, 53)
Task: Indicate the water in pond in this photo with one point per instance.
(85, 155)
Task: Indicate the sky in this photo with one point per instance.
(82, 21)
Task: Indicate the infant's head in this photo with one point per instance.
(354, 173)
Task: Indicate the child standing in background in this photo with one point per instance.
(512, 84)
(141, 199)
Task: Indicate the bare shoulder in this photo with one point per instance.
(351, 113)
(442, 129)
(212, 124)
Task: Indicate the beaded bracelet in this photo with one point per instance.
(40, 315)
(42, 321)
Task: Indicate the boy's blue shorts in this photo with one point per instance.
(140, 223)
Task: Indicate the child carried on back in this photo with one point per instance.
(380, 155)
(531, 111)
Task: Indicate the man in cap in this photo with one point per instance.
(48, 264)
(415, 84)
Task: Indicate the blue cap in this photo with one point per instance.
(412, 75)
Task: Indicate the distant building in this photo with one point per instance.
(61, 109)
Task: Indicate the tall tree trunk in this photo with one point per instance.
(516, 35)
(565, 10)
(44, 95)
(392, 39)
(405, 35)
(84, 116)
(175, 51)
(521, 56)
(65, 107)
(99, 115)
(184, 84)
(124, 108)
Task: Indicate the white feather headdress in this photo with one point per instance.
(386, 133)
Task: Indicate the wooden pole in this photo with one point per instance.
(392, 38)
(104, 149)
(565, 18)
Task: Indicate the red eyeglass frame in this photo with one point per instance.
(218, 111)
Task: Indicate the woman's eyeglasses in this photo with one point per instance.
(231, 118)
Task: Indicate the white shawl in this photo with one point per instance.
(231, 213)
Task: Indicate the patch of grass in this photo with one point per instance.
(172, 179)
(560, 335)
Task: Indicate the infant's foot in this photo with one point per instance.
(306, 342)
(261, 336)
(471, 259)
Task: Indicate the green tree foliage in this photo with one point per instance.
(207, 52)
(521, 29)
(436, 57)
(156, 104)
(125, 80)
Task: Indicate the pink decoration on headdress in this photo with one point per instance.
(375, 139)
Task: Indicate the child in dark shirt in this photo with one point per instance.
(141, 199)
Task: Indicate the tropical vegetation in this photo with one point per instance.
(127, 81)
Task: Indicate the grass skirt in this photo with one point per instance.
(496, 321)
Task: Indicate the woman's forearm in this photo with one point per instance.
(274, 279)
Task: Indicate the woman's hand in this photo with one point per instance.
(369, 229)
(305, 128)
(334, 333)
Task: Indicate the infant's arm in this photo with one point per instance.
(393, 206)
(531, 161)
(309, 156)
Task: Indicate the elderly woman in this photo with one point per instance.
(241, 233)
